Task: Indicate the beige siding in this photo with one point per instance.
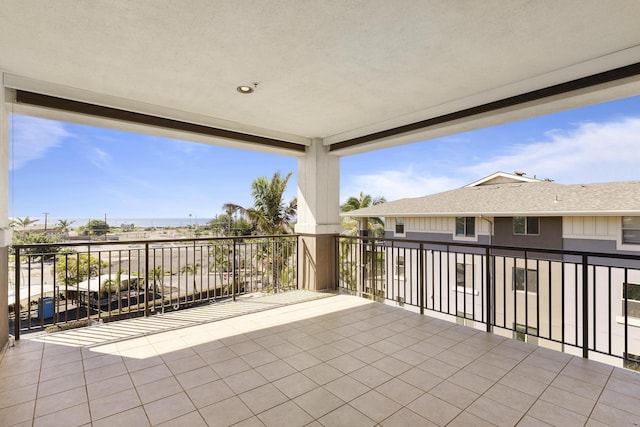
(433, 225)
(591, 227)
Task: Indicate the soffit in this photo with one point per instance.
(330, 70)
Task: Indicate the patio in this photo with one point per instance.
(303, 358)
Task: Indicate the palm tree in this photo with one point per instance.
(63, 226)
(374, 225)
(23, 222)
(270, 213)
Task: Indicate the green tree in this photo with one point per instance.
(375, 225)
(29, 238)
(22, 222)
(64, 225)
(95, 227)
(70, 270)
(270, 213)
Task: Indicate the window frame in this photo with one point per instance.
(399, 222)
(632, 227)
(526, 226)
(465, 232)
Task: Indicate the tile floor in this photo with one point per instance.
(333, 361)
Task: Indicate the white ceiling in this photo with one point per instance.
(325, 69)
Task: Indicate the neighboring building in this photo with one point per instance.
(532, 287)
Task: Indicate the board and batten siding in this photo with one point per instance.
(435, 224)
(591, 227)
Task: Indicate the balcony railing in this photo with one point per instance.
(584, 303)
(78, 283)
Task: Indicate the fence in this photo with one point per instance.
(582, 302)
(56, 284)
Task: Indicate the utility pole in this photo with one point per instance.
(46, 215)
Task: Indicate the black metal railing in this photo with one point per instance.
(77, 283)
(579, 302)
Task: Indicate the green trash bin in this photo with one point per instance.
(45, 308)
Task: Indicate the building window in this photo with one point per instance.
(465, 226)
(400, 269)
(464, 277)
(400, 225)
(631, 230)
(632, 293)
(525, 279)
(526, 225)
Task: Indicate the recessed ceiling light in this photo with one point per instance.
(244, 89)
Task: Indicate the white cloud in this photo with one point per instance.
(33, 137)
(100, 158)
(589, 152)
(398, 184)
(592, 152)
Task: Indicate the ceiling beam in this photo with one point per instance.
(110, 113)
(591, 81)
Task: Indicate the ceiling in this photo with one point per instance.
(334, 70)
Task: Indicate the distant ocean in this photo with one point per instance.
(137, 222)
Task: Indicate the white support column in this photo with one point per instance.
(318, 216)
(5, 231)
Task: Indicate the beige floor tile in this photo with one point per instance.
(613, 416)
(399, 391)
(295, 416)
(318, 402)
(346, 416)
(192, 419)
(158, 389)
(113, 404)
(495, 412)
(423, 380)
(209, 393)
(375, 405)
(581, 388)
(410, 357)
(302, 361)
(102, 372)
(244, 381)
(134, 364)
(230, 366)
(263, 398)
(555, 415)
(391, 366)
(346, 363)
(433, 409)
(259, 358)
(454, 394)
(20, 380)
(523, 384)
(370, 376)
(60, 401)
(322, 373)
(149, 375)
(568, 400)
(467, 419)
(135, 417)
(18, 395)
(185, 364)
(285, 349)
(510, 397)
(367, 354)
(347, 388)
(59, 385)
(529, 421)
(471, 381)
(197, 377)
(275, 370)
(108, 386)
(625, 402)
(22, 412)
(226, 412)
(404, 418)
(438, 368)
(168, 408)
(295, 385)
(74, 416)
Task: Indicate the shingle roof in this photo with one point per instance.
(537, 198)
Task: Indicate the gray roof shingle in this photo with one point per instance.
(537, 198)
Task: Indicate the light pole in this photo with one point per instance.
(46, 215)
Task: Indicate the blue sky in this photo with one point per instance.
(76, 171)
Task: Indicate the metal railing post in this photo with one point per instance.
(585, 307)
(16, 305)
(487, 290)
(421, 278)
(146, 280)
(233, 271)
